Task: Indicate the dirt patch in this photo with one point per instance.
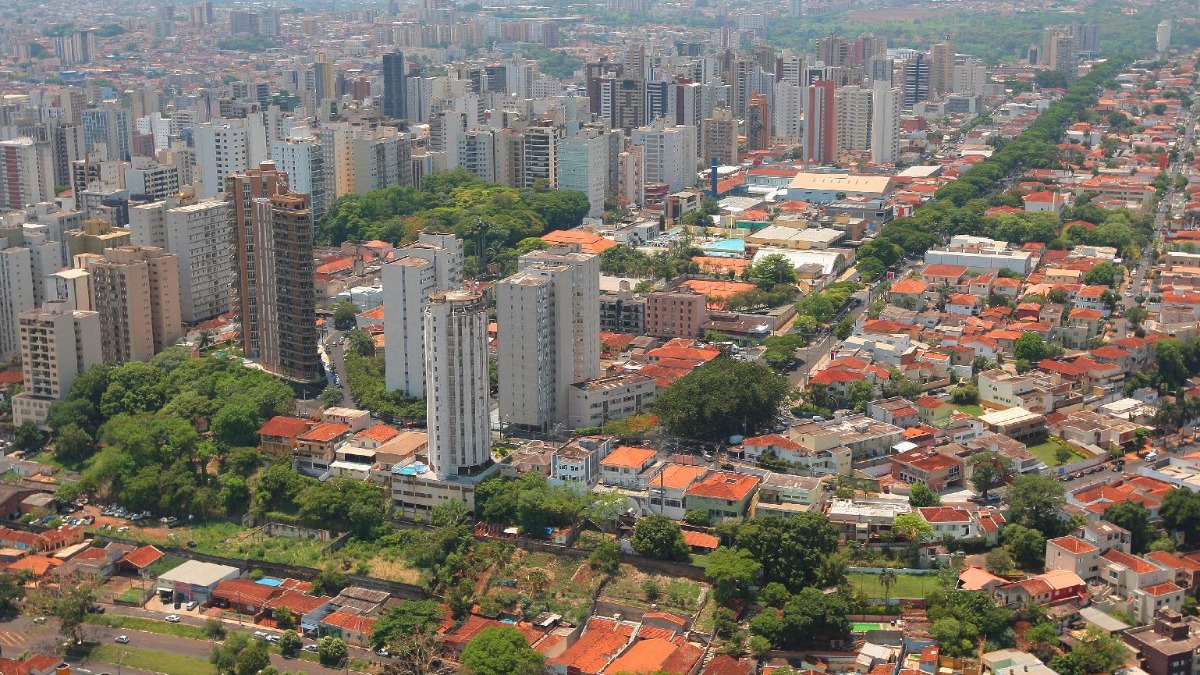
(394, 570)
(583, 574)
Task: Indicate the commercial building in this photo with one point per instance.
(548, 318)
(275, 296)
(433, 263)
(57, 344)
(135, 289)
(395, 85)
(827, 187)
(456, 371)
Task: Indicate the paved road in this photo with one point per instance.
(817, 353)
(337, 356)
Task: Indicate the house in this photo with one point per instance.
(1127, 573)
(1187, 571)
(315, 448)
(908, 292)
(354, 629)
(963, 304)
(601, 641)
(1000, 389)
(947, 522)
(861, 520)
(1090, 319)
(722, 494)
(1043, 589)
(784, 494)
(1150, 599)
(1105, 535)
(139, 559)
(244, 596)
(579, 460)
(357, 420)
(932, 411)
(939, 276)
(278, 436)
(624, 466)
(308, 609)
(896, 410)
(667, 490)
(926, 465)
(1017, 423)
(1073, 555)
(774, 444)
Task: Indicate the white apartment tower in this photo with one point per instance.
(222, 148)
(668, 152)
(456, 367)
(548, 318)
(541, 155)
(382, 160)
(1162, 37)
(304, 161)
(16, 295)
(26, 173)
(433, 263)
(885, 122)
(136, 291)
(57, 344)
(583, 166)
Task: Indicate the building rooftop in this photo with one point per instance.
(628, 457)
(724, 485)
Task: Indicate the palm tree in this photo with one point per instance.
(887, 579)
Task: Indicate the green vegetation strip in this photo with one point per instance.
(149, 625)
(154, 661)
(906, 586)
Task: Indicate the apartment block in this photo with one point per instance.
(57, 344)
(678, 313)
(135, 289)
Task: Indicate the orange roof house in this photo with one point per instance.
(588, 242)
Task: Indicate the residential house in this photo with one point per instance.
(933, 411)
(948, 522)
(928, 466)
(667, 490)
(624, 467)
(1072, 554)
(315, 448)
(861, 520)
(896, 410)
(722, 494)
(579, 460)
(784, 494)
(279, 435)
(1001, 389)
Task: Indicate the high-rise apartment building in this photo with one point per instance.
(758, 122)
(433, 263)
(26, 173)
(941, 68)
(303, 160)
(273, 249)
(885, 123)
(719, 134)
(668, 152)
(16, 295)
(135, 289)
(1059, 51)
(222, 148)
(1087, 39)
(970, 77)
(456, 368)
(820, 123)
(853, 108)
(788, 118)
(147, 179)
(1162, 36)
(583, 165)
(548, 318)
(111, 126)
(57, 344)
(382, 159)
(541, 155)
(199, 235)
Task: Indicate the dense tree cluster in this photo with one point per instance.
(490, 219)
(724, 397)
(535, 506)
(364, 377)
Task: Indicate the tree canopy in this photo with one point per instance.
(501, 650)
(723, 398)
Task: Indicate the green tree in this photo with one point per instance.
(1134, 517)
(285, 619)
(1027, 545)
(1062, 455)
(1180, 512)
(606, 557)
(887, 579)
(252, 659)
(329, 581)
(844, 328)
(1104, 274)
(12, 589)
(812, 617)
(771, 270)
(1034, 501)
(1096, 652)
(797, 551)
(68, 601)
(501, 651)
(1042, 638)
(912, 527)
(331, 651)
(999, 561)
(989, 470)
(345, 314)
(731, 572)
(402, 621)
(237, 423)
(72, 444)
(28, 437)
(657, 536)
(922, 495)
(225, 655)
(723, 398)
(1030, 347)
(699, 517)
(774, 595)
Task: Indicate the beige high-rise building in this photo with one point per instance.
(26, 173)
(853, 126)
(57, 344)
(135, 289)
(548, 322)
(941, 68)
(719, 133)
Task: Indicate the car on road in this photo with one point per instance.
(382, 651)
(260, 635)
(173, 618)
(272, 639)
(310, 647)
(121, 639)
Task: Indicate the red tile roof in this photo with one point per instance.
(1162, 589)
(380, 433)
(325, 432)
(244, 592)
(772, 441)
(629, 457)
(1134, 564)
(285, 427)
(944, 514)
(1073, 545)
(142, 556)
(349, 622)
(700, 539)
(724, 485)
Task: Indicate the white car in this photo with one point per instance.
(310, 647)
(121, 639)
(272, 639)
(173, 618)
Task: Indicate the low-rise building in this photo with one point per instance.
(193, 580)
(1170, 646)
(1016, 423)
(1073, 555)
(861, 520)
(594, 403)
(667, 490)
(626, 466)
(722, 494)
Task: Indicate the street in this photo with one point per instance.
(798, 378)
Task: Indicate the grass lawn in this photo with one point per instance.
(972, 410)
(133, 594)
(906, 586)
(1046, 451)
(149, 625)
(145, 659)
(231, 540)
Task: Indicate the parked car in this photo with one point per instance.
(192, 605)
(121, 639)
(310, 647)
(173, 618)
(260, 635)
(272, 639)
